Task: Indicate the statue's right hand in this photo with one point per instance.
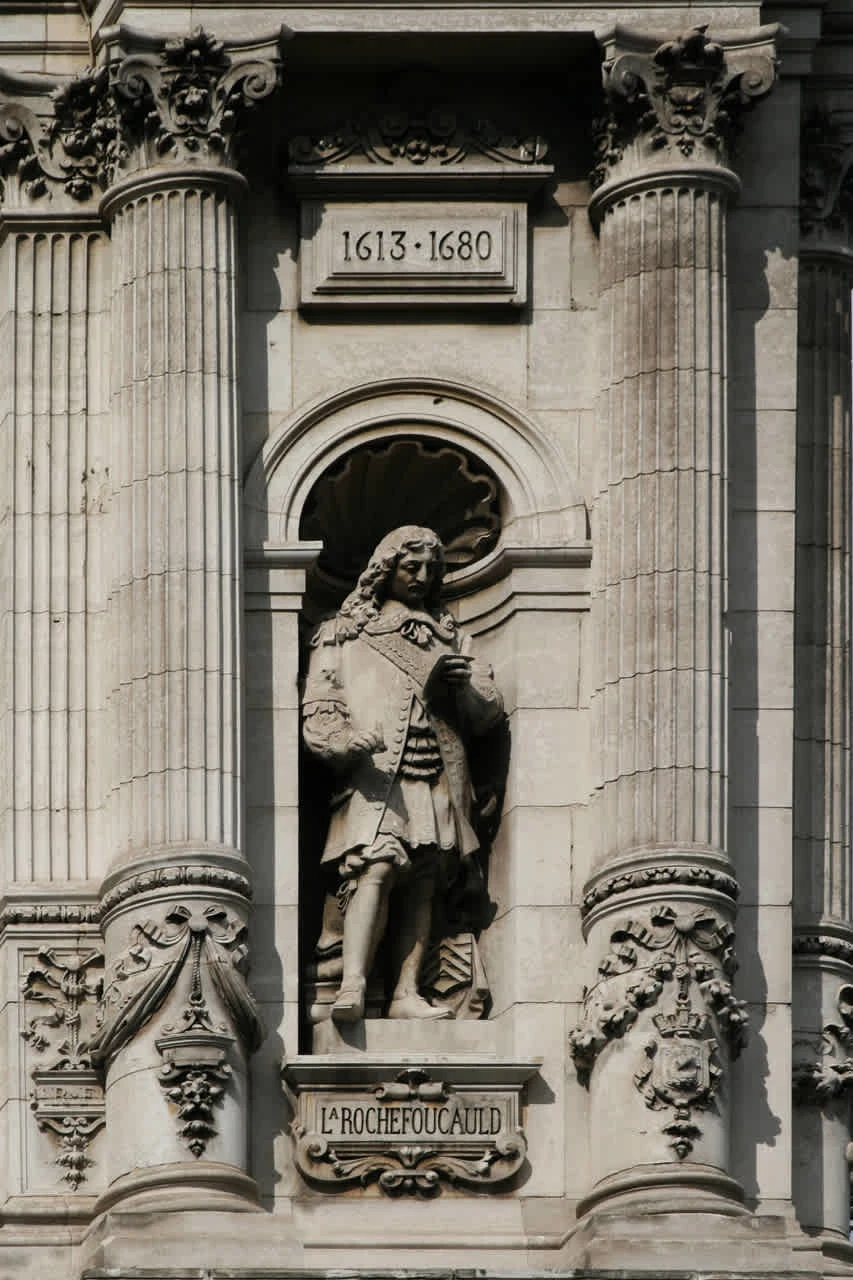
(367, 742)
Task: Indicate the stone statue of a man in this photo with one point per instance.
(392, 698)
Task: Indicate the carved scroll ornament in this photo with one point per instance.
(688, 96)
(680, 963)
(67, 1097)
(194, 1049)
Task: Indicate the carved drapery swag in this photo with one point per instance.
(193, 1047)
(680, 963)
(184, 100)
(680, 101)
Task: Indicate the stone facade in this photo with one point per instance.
(571, 288)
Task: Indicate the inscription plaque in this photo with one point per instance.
(411, 1130)
(396, 254)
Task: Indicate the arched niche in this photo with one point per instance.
(522, 596)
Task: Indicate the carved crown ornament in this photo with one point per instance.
(680, 102)
(193, 1046)
(826, 178)
(183, 100)
(67, 1097)
(823, 1065)
(679, 963)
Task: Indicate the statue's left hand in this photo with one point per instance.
(456, 671)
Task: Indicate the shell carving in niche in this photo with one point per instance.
(409, 480)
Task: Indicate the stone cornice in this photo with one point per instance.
(676, 104)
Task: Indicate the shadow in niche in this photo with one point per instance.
(754, 1123)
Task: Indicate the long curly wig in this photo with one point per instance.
(366, 599)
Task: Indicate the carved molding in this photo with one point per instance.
(823, 1065)
(647, 877)
(49, 913)
(826, 176)
(682, 100)
(681, 963)
(172, 878)
(823, 944)
(67, 1097)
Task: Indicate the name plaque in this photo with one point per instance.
(410, 1132)
(396, 254)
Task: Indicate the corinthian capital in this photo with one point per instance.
(185, 100)
(826, 178)
(677, 103)
(56, 140)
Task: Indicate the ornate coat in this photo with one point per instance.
(370, 683)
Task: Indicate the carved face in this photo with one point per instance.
(413, 576)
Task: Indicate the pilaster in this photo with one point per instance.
(661, 1023)
(823, 928)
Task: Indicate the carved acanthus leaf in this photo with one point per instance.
(686, 96)
(673, 961)
(824, 1070)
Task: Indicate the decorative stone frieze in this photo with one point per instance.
(67, 1097)
(173, 878)
(397, 134)
(679, 963)
(678, 102)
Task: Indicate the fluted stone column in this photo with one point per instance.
(178, 1021)
(661, 1021)
(823, 927)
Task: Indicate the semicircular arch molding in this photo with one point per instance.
(543, 503)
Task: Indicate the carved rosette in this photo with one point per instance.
(67, 1098)
(678, 103)
(196, 954)
(667, 981)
